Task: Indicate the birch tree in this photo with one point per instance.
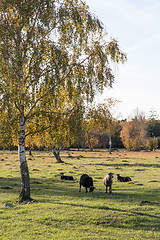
(47, 45)
(101, 118)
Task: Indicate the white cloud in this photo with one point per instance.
(154, 39)
(155, 6)
(130, 11)
(150, 41)
(132, 48)
(142, 13)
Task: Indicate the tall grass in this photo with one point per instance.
(131, 212)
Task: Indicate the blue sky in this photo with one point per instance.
(136, 25)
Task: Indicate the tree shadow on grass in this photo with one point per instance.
(127, 164)
(66, 193)
(55, 186)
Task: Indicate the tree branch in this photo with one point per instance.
(37, 131)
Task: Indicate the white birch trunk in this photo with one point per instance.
(110, 143)
(25, 180)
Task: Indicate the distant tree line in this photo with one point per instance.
(87, 128)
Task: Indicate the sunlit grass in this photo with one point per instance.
(131, 212)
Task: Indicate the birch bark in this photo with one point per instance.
(25, 180)
(110, 144)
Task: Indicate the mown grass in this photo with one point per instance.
(131, 212)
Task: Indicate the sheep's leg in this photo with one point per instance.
(86, 190)
(110, 189)
(80, 188)
(106, 189)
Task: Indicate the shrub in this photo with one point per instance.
(152, 143)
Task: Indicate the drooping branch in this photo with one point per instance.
(49, 114)
(34, 105)
(38, 131)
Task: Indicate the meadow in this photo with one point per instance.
(132, 211)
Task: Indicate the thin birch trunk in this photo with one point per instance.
(25, 180)
(110, 144)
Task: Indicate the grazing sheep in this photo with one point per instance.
(64, 177)
(86, 182)
(107, 180)
(123, 179)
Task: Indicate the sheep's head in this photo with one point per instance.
(91, 189)
(110, 175)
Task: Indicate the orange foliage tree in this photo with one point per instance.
(134, 134)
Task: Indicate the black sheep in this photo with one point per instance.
(86, 182)
(123, 179)
(64, 177)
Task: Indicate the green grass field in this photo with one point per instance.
(131, 212)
